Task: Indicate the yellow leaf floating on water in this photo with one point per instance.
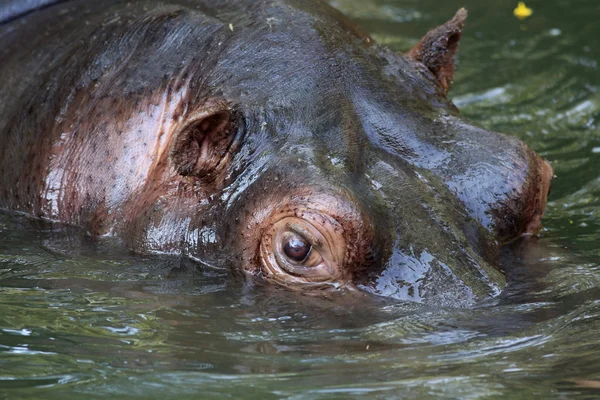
(522, 11)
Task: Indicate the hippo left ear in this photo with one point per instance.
(437, 48)
(203, 144)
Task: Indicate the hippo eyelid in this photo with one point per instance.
(305, 233)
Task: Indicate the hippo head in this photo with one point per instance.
(281, 141)
(349, 167)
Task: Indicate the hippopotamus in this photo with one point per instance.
(273, 138)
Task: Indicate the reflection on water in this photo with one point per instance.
(82, 318)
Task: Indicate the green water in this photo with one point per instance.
(82, 319)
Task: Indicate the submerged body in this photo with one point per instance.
(273, 137)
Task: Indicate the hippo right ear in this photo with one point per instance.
(203, 144)
(437, 48)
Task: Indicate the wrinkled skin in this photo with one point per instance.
(273, 137)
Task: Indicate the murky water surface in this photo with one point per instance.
(84, 319)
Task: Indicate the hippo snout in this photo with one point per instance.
(539, 191)
(520, 212)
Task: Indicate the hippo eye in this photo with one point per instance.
(296, 248)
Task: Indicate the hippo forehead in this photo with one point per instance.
(272, 54)
(275, 60)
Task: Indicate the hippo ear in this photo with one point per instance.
(203, 145)
(437, 48)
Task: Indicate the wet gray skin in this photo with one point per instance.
(273, 138)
